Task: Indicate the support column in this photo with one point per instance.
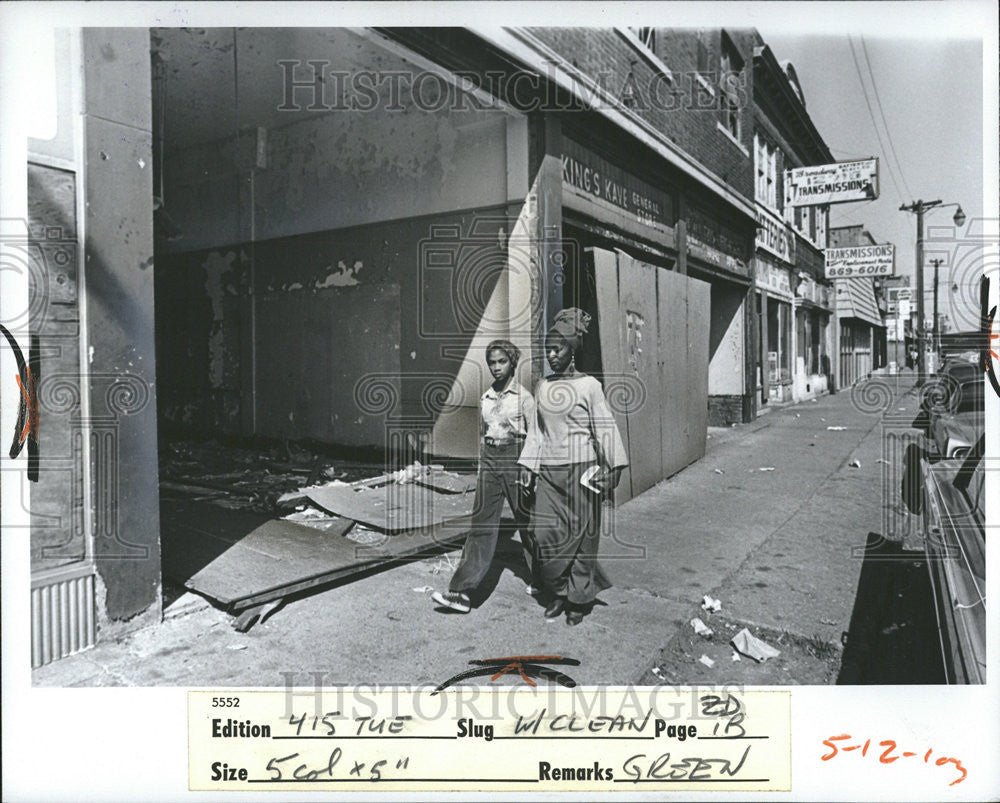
(120, 328)
(545, 179)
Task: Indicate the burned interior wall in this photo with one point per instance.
(301, 268)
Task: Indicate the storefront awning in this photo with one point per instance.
(856, 299)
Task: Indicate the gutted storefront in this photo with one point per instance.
(300, 240)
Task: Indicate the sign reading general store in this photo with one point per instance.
(587, 172)
(860, 260)
(835, 183)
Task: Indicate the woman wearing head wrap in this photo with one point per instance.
(507, 416)
(575, 434)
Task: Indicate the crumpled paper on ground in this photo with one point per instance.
(711, 604)
(752, 647)
(701, 628)
(706, 661)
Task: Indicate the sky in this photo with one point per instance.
(931, 96)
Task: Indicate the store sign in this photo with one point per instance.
(773, 278)
(835, 183)
(774, 236)
(586, 172)
(716, 242)
(860, 260)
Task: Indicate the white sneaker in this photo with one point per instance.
(455, 600)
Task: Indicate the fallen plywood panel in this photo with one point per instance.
(447, 482)
(392, 507)
(242, 559)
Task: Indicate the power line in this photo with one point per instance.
(885, 124)
(871, 113)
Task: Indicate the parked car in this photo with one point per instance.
(952, 407)
(955, 548)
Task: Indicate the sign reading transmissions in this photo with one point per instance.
(860, 260)
(835, 183)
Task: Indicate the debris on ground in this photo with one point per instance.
(365, 535)
(706, 661)
(855, 464)
(766, 468)
(701, 629)
(836, 429)
(882, 460)
(709, 603)
(656, 671)
(267, 480)
(752, 647)
(718, 471)
(423, 589)
(736, 656)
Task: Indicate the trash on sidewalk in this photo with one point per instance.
(766, 468)
(706, 661)
(855, 464)
(656, 671)
(882, 460)
(718, 471)
(736, 656)
(711, 604)
(237, 646)
(752, 647)
(701, 629)
(423, 589)
(836, 429)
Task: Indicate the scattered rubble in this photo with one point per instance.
(708, 603)
(752, 647)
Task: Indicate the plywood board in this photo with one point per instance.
(392, 507)
(446, 482)
(638, 325)
(698, 326)
(605, 264)
(241, 558)
(672, 293)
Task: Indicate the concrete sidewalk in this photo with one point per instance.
(775, 546)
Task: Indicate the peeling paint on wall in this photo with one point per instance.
(218, 280)
(343, 277)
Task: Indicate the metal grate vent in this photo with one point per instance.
(62, 619)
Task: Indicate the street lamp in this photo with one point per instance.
(919, 207)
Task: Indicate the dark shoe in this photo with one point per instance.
(554, 608)
(574, 617)
(455, 600)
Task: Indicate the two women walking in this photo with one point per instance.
(562, 449)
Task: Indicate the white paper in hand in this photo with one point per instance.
(588, 476)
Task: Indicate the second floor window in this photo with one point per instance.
(730, 67)
(647, 36)
(766, 166)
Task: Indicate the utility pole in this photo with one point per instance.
(919, 207)
(937, 330)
